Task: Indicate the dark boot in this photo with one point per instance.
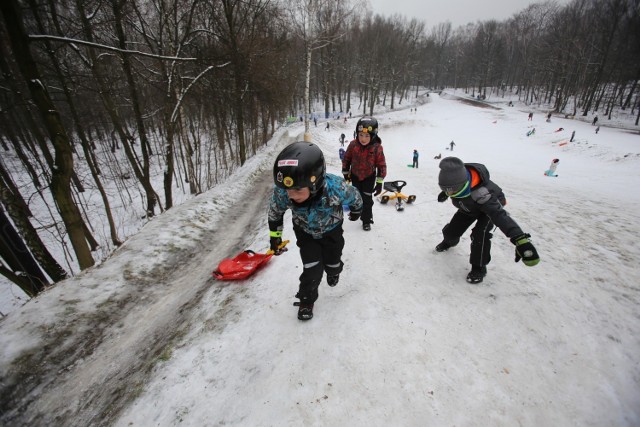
(445, 245)
(366, 227)
(305, 311)
(333, 280)
(477, 273)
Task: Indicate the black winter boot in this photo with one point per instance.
(305, 311)
(333, 280)
(444, 245)
(477, 273)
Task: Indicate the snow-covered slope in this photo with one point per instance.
(402, 339)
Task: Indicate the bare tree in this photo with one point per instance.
(317, 23)
(63, 166)
(440, 35)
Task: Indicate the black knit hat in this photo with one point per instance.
(453, 175)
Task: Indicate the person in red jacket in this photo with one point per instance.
(365, 166)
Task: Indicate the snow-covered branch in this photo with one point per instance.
(174, 114)
(102, 46)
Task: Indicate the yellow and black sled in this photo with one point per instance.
(393, 191)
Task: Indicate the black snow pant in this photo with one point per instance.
(318, 256)
(365, 187)
(480, 235)
(415, 163)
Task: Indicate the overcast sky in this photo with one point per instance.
(458, 12)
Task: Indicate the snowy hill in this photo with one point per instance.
(149, 338)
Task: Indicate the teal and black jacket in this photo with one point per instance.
(321, 213)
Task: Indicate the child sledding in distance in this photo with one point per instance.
(316, 200)
(478, 200)
(552, 168)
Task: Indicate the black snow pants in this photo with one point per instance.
(480, 235)
(318, 256)
(365, 187)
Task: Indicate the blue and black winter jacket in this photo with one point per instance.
(321, 213)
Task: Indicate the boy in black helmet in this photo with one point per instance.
(365, 165)
(316, 200)
(478, 200)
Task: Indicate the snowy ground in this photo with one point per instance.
(148, 338)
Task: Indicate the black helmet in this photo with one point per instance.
(300, 165)
(367, 125)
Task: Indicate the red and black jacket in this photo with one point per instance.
(364, 161)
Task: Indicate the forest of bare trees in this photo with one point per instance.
(114, 107)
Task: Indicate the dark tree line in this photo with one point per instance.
(114, 106)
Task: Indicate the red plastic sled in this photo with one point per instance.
(243, 265)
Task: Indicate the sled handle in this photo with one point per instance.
(280, 248)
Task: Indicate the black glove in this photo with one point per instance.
(377, 189)
(442, 197)
(354, 216)
(347, 176)
(525, 250)
(274, 244)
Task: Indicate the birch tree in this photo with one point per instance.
(317, 23)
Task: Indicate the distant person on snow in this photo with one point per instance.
(365, 165)
(316, 200)
(597, 129)
(342, 137)
(530, 117)
(452, 144)
(415, 158)
(552, 168)
(478, 200)
(595, 120)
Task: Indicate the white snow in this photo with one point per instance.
(402, 340)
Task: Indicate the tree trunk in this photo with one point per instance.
(17, 257)
(307, 104)
(135, 101)
(169, 159)
(19, 214)
(633, 88)
(80, 132)
(119, 126)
